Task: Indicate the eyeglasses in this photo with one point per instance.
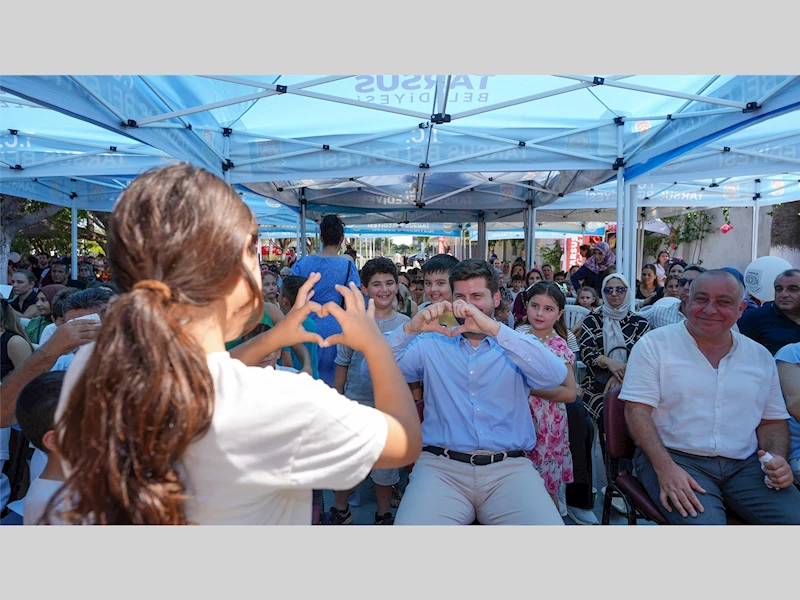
(617, 290)
(683, 281)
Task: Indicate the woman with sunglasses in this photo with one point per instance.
(607, 336)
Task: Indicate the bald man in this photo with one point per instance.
(703, 403)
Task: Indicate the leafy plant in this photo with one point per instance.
(687, 229)
(552, 255)
(653, 244)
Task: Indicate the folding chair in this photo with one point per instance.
(619, 445)
(573, 314)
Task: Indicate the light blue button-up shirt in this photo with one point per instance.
(477, 398)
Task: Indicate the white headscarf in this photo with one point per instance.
(612, 330)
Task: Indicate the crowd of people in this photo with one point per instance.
(145, 392)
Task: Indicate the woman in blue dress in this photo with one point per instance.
(335, 270)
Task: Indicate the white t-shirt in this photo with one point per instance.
(274, 437)
(47, 333)
(35, 501)
(700, 410)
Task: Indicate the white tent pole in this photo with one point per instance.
(258, 247)
(74, 261)
(301, 240)
(756, 206)
(481, 250)
(620, 249)
(639, 235)
(631, 231)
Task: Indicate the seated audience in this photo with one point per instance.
(15, 346)
(595, 268)
(518, 308)
(588, 299)
(44, 302)
(693, 455)
(23, 299)
(607, 336)
(776, 324)
(677, 267)
(669, 314)
(648, 289)
(672, 287)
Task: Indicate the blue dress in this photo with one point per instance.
(336, 270)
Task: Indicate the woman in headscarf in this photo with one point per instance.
(593, 270)
(607, 336)
(44, 303)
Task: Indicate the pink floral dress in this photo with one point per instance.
(551, 455)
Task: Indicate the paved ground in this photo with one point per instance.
(363, 506)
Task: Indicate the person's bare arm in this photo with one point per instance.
(66, 338)
(789, 374)
(18, 350)
(30, 312)
(676, 484)
(566, 392)
(773, 437)
(340, 378)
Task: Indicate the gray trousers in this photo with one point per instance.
(740, 483)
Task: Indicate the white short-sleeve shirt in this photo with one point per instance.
(274, 437)
(700, 410)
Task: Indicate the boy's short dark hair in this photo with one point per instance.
(377, 266)
(505, 304)
(560, 274)
(36, 406)
(472, 268)
(291, 285)
(57, 307)
(517, 277)
(441, 263)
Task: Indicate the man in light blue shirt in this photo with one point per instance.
(477, 422)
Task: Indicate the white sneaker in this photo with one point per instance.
(562, 500)
(582, 516)
(617, 503)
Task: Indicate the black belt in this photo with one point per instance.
(474, 459)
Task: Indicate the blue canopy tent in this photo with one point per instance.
(54, 158)
(424, 148)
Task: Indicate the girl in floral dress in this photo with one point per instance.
(551, 455)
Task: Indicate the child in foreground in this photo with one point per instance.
(35, 412)
(379, 283)
(551, 456)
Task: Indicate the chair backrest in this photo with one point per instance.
(619, 443)
(573, 314)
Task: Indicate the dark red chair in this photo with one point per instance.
(619, 445)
